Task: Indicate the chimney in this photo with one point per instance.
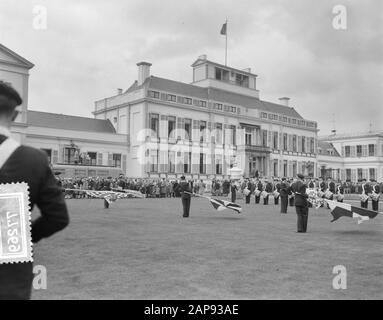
(284, 101)
(119, 91)
(143, 71)
(202, 57)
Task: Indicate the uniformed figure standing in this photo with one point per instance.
(301, 207)
(284, 194)
(268, 189)
(375, 190)
(28, 165)
(366, 189)
(291, 194)
(233, 190)
(259, 186)
(277, 187)
(249, 186)
(185, 189)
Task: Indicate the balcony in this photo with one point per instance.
(257, 148)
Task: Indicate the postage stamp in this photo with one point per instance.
(15, 224)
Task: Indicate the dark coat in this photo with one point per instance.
(30, 165)
(299, 188)
(284, 190)
(185, 186)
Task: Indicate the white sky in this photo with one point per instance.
(91, 47)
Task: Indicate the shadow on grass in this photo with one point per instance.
(359, 232)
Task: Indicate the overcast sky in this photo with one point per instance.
(91, 47)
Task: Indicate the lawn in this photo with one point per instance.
(144, 249)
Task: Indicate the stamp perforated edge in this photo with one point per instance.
(29, 255)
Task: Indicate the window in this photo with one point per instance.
(233, 140)
(187, 162)
(275, 140)
(153, 160)
(154, 124)
(284, 119)
(263, 115)
(172, 161)
(294, 143)
(264, 138)
(171, 97)
(171, 127)
(218, 106)
(242, 80)
(233, 109)
(218, 133)
(221, 74)
(248, 134)
(202, 103)
(202, 163)
(348, 174)
(303, 144)
(218, 164)
(360, 173)
(116, 160)
(92, 158)
(270, 116)
(285, 141)
(312, 147)
(294, 121)
(49, 154)
(187, 100)
(372, 173)
(187, 128)
(154, 94)
(371, 150)
(202, 131)
(71, 155)
(358, 150)
(347, 152)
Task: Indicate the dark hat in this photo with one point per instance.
(9, 97)
(182, 177)
(283, 179)
(300, 176)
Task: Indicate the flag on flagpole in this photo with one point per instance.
(220, 205)
(223, 29)
(340, 209)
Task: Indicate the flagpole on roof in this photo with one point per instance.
(226, 45)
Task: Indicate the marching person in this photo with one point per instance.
(277, 188)
(364, 193)
(258, 186)
(26, 164)
(301, 207)
(249, 188)
(185, 189)
(233, 190)
(340, 193)
(375, 194)
(331, 187)
(291, 194)
(284, 193)
(268, 189)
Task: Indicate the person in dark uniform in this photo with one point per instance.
(301, 207)
(258, 186)
(375, 190)
(365, 189)
(277, 187)
(233, 190)
(268, 189)
(284, 193)
(185, 189)
(291, 194)
(28, 165)
(249, 186)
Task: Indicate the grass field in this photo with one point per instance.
(144, 249)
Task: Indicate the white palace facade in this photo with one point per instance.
(203, 128)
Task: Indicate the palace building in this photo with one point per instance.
(204, 128)
(76, 146)
(355, 156)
